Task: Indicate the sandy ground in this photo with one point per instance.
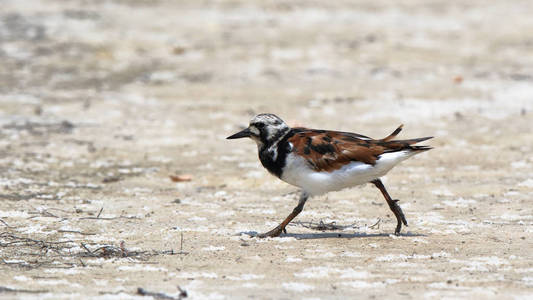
(101, 101)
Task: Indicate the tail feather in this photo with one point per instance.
(418, 140)
(393, 134)
(399, 145)
(421, 148)
(410, 142)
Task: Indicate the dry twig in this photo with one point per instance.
(108, 218)
(75, 231)
(44, 213)
(181, 246)
(376, 224)
(4, 289)
(5, 223)
(323, 226)
(31, 253)
(108, 251)
(12, 239)
(155, 295)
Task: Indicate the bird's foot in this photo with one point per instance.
(397, 210)
(272, 233)
(397, 231)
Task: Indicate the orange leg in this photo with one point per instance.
(281, 227)
(393, 205)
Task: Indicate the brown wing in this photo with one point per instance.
(330, 150)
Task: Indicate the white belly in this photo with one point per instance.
(297, 172)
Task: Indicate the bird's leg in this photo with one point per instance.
(393, 205)
(281, 227)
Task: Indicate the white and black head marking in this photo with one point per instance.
(267, 128)
(264, 129)
(270, 134)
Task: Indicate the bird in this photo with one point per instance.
(320, 161)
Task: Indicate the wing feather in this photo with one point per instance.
(326, 150)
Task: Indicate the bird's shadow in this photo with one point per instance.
(330, 235)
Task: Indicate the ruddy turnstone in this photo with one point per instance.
(320, 161)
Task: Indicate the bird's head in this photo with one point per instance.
(264, 129)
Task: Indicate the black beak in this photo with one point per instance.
(241, 134)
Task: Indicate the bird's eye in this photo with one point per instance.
(259, 125)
